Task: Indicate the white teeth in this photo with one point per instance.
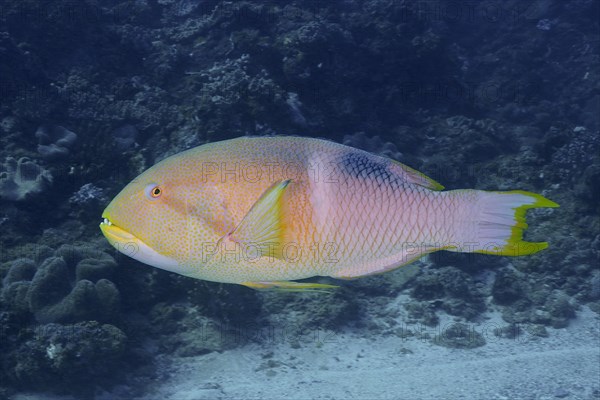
(107, 222)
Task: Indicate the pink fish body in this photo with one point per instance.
(263, 211)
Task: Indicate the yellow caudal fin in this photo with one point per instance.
(501, 222)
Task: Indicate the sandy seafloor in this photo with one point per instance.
(352, 365)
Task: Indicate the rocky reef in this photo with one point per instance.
(69, 356)
(22, 179)
(52, 293)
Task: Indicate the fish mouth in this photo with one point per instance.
(119, 238)
(113, 232)
(132, 246)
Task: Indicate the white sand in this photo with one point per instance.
(359, 365)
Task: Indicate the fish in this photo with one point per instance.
(266, 212)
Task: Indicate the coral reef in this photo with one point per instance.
(67, 356)
(125, 137)
(224, 303)
(186, 332)
(373, 144)
(449, 289)
(86, 194)
(230, 86)
(321, 311)
(59, 311)
(459, 336)
(71, 285)
(55, 141)
(22, 179)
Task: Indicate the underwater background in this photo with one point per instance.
(493, 95)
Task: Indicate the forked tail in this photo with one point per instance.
(493, 222)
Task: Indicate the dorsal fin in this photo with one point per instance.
(413, 176)
(364, 165)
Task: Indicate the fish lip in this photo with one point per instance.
(107, 226)
(117, 236)
(116, 233)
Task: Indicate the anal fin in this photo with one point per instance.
(289, 286)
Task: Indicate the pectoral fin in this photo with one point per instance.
(264, 226)
(288, 286)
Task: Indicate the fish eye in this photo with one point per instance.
(153, 191)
